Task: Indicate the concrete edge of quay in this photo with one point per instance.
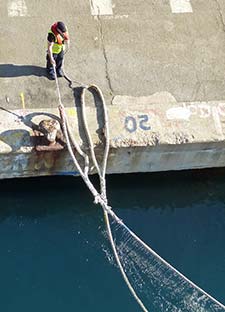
(147, 134)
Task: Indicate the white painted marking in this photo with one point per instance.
(101, 7)
(17, 8)
(217, 121)
(178, 113)
(181, 6)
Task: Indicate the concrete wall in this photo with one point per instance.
(144, 137)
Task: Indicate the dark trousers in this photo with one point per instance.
(58, 60)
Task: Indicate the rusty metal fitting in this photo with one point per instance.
(50, 128)
(49, 136)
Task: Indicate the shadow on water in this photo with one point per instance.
(39, 197)
(168, 190)
(14, 70)
(49, 195)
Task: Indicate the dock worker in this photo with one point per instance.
(57, 38)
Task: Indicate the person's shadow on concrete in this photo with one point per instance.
(13, 70)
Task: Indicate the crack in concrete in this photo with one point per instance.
(220, 14)
(104, 54)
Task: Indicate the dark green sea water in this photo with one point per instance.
(54, 257)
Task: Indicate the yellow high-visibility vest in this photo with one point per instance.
(58, 45)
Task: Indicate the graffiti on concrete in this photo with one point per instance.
(205, 110)
(201, 110)
(131, 123)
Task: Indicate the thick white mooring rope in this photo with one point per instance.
(99, 198)
(102, 198)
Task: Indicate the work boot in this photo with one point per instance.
(51, 74)
(60, 73)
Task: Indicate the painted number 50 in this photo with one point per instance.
(132, 124)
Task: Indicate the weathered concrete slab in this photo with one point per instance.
(139, 49)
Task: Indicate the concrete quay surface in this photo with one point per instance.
(160, 65)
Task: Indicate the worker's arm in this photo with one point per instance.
(66, 41)
(50, 54)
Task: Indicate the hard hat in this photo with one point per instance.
(61, 26)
